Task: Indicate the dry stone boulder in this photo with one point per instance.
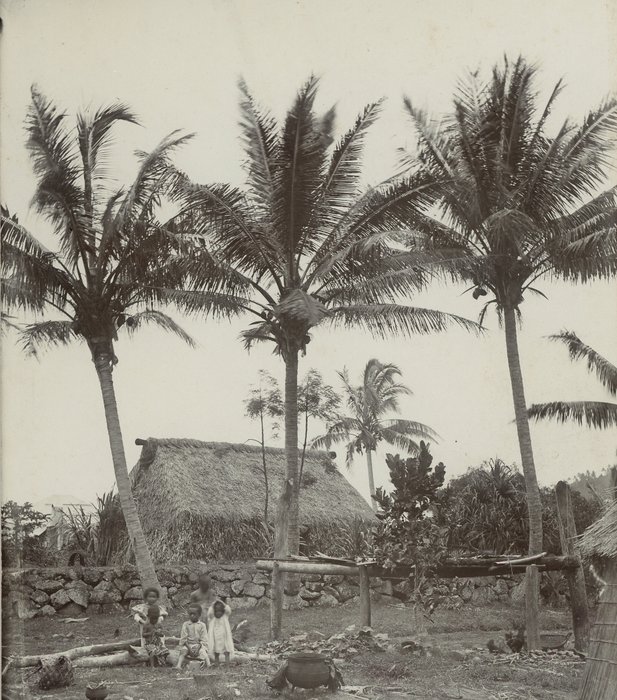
(242, 603)
(305, 594)
(222, 575)
(134, 593)
(78, 592)
(223, 590)
(346, 591)
(92, 576)
(253, 589)
(261, 579)
(59, 599)
(243, 575)
(326, 600)
(46, 611)
(71, 610)
(40, 597)
(122, 584)
(237, 587)
(23, 607)
(333, 579)
(49, 585)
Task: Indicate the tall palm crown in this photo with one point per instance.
(114, 259)
(517, 204)
(522, 203)
(595, 414)
(369, 404)
(305, 244)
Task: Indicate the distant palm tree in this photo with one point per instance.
(110, 269)
(521, 204)
(596, 414)
(368, 425)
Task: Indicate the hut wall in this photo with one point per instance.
(75, 591)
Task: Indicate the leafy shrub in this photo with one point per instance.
(19, 543)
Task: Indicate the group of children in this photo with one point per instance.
(206, 634)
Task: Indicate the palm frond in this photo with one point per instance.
(37, 336)
(400, 441)
(594, 414)
(58, 195)
(261, 144)
(409, 428)
(603, 369)
(383, 320)
(158, 318)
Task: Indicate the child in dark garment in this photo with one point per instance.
(153, 637)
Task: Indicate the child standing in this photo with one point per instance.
(220, 640)
(194, 638)
(204, 595)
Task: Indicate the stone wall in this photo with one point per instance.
(74, 591)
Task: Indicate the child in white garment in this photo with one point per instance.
(194, 638)
(220, 640)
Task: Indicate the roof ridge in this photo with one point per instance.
(213, 445)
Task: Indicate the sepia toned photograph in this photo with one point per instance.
(309, 349)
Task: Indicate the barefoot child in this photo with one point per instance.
(194, 638)
(220, 640)
(153, 637)
(151, 598)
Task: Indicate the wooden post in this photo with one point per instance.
(365, 597)
(532, 613)
(276, 603)
(576, 577)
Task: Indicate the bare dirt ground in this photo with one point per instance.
(393, 674)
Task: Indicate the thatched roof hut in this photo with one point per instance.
(600, 542)
(600, 539)
(205, 500)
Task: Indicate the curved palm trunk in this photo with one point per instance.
(534, 505)
(143, 561)
(371, 480)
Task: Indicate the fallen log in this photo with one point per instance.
(75, 653)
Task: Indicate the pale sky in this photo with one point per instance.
(177, 65)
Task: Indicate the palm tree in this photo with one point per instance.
(307, 245)
(596, 414)
(110, 268)
(520, 204)
(368, 425)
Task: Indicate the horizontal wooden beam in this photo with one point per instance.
(306, 567)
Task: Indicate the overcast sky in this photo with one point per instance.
(177, 64)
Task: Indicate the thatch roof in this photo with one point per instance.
(600, 539)
(210, 496)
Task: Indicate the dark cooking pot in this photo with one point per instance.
(307, 670)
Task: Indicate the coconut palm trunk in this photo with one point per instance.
(143, 561)
(291, 448)
(534, 504)
(371, 479)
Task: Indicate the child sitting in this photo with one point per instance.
(204, 595)
(194, 638)
(151, 598)
(153, 637)
(220, 640)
